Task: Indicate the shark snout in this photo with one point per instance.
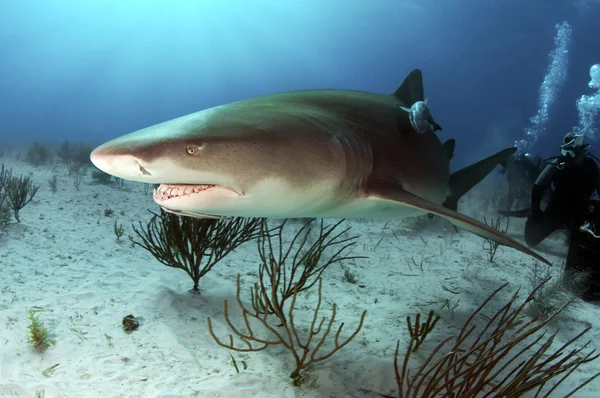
(121, 165)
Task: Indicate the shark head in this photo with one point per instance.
(229, 160)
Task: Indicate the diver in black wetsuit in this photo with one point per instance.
(573, 176)
(521, 173)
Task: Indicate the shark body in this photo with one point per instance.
(317, 153)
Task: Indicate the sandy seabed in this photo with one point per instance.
(63, 257)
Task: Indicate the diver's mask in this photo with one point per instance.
(573, 144)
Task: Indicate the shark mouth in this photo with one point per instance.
(166, 191)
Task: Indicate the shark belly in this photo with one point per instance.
(370, 208)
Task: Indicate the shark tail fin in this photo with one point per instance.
(411, 89)
(463, 180)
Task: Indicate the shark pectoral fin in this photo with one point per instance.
(194, 215)
(463, 180)
(399, 195)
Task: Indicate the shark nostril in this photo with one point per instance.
(143, 170)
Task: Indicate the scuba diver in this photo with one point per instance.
(573, 177)
(521, 173)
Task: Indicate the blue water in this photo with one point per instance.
(496, 73)
(92, 70)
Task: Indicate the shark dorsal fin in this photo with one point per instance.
(449, 147)
(411, 89)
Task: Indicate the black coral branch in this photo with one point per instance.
(297, 264)
(420, 330)
(191, 244)
(19, 191)
(506, 357)
(305, 351)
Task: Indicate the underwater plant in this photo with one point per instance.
(101, 177)
(287, 332)
(419, 332)
(76, 157)
(39, 336)
(38, 154)
(19, 191)
(560, 289)
(286, 270)
(4, 207)
(118, 230)
(4, 214)
(191, 244)
(493, 359)
(64, 151)
(77, 179)
(349, 276)
(490, 245)
(53, 182)
(298, 264)
(80, 154)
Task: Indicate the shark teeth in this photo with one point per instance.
(164, 192)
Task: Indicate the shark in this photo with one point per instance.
(328, 153)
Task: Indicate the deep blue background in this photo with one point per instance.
(92, 70)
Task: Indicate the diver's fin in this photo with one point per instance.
(411, 89)
(396, 194)
(463, 180)
(449, 147)
(523, 213)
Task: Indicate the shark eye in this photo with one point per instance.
(192, 149)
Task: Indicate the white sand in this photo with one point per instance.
(64, 257)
